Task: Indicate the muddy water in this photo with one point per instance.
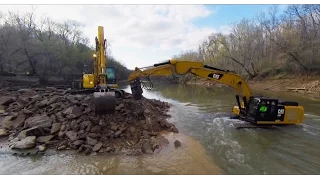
(190, 158)
(210, 142)
(199, 112)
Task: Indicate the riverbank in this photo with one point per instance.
(302, 85)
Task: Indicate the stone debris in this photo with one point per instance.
(177, 143)
(51, 119)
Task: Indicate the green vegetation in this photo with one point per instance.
(268, 45)
(41, 46)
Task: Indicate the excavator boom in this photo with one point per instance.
(104, 100)
(196, 68)
(257, 110)
(101, 62)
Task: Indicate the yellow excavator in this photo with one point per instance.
(258, 110)
(103, 79)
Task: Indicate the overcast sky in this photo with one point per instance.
(141, 35)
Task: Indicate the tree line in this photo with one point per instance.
(42, 46)
(271, 43)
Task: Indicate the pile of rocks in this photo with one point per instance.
(56, 119)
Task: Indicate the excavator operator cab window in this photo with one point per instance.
(262, 109)
(111, 75)
(85, 69)
(267, 110)
(253, 106)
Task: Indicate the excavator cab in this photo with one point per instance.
(105, 95)
(111, 77)
(265, 110)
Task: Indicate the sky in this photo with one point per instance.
(141, 35)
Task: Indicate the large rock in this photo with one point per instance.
(91, 141)
(34, 131)
(42, 148)
(50, 89)
(42, 103)
(39, 120)
(27, 112)
(53, 100)
(26, 143)
(74, 111)
(97, 147)
(114, 127)
(78, 142)
(147, 147)
(44, 139)
(26, 91)
(86, 123)
(74, 125)
(5, 100)
(95, 129)
(36, 97)
(162, 141)
(55, 127)
(5, 122)
(19, 121)
(177, 143)
(93, 135)
(72, 135)
(117, 108)
(3, 132)
(81, 134)
(117, 134)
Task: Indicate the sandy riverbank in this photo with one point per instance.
(306, 86)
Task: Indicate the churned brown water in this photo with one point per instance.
(210, 142)
(190, 158)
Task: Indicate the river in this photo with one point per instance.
(210, 142)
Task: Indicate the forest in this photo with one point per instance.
(274, 42)
(270, 44)
(44, 47)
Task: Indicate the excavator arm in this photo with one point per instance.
(174, 67)
(255, 109)
(104, 100)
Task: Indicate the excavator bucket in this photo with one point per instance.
(136, 89)
(104, 102)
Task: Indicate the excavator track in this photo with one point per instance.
(243, 126)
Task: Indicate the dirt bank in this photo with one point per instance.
(307, 86)
(41, 119)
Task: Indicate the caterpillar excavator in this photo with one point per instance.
(103, 79)
(258, 110)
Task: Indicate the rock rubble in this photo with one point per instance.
(50, 118)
